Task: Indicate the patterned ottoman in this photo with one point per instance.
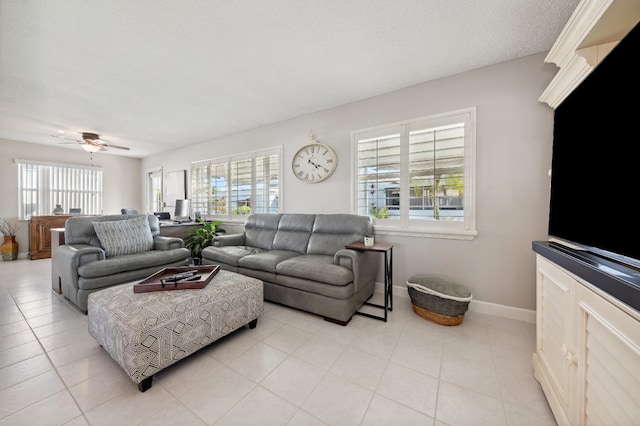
(146, 332)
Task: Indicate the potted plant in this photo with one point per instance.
(200, 237)
(9, 247)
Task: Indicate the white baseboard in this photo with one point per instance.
(504, 311)
(488, 308)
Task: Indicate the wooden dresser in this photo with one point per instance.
(40, 234)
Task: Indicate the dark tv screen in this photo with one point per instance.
(595, 172)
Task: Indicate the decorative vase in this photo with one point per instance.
(9, 248)
(58, 209)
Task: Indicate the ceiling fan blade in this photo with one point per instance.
(108, 145)
(66, 138)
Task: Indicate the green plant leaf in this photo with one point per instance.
(200, 237)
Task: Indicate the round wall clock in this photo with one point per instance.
(314, 162)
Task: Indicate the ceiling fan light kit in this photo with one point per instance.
(90, 148)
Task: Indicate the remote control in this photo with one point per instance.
(177, 277)
(193, 278)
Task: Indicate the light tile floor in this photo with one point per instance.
(292, 369)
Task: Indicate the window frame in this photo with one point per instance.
(76, 190)
(149, 175)
(227, 163)
(464, 229)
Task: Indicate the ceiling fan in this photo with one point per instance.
(91, 142)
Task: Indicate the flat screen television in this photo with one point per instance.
(595, 172)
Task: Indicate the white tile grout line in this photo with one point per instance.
(46, 353)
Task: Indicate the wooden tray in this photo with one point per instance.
(154, 283)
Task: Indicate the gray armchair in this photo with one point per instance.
(88, 261)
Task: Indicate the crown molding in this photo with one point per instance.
(594, 22)
(567, 79)
(580, 24)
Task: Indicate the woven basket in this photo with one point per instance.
(439, 319)
(437, 300)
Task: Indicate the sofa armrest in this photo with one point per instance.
(167, 243)
(363, 264)
(228, 240)
(70, 257)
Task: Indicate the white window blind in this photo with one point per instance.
(379, 175)
(41, 186)
(241, 186)
(418, 175)
(200, 186)
(436, 173)
(237, 185)
(267, 183)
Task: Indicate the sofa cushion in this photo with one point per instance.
(229, 254)
(331, 232)
(132, 262)
(293, 232)
(127, 236)
(260, 229)
(318, 268)
(266, 261)
(304, 291)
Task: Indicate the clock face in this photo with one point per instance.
(314, 163)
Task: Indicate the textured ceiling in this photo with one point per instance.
(157, 74)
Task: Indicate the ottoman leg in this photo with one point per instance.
(144, 385)
(253, 323)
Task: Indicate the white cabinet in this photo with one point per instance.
(554, 290)
(587, 355)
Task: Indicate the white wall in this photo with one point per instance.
(121, 179)
(514, 135)
(514, 139)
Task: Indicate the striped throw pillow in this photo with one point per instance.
(127, 236)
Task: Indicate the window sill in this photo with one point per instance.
(448, 234)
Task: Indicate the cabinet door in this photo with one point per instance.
(40, 234)
(608, 363)
(554, 291)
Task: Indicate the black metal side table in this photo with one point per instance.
(387, 249)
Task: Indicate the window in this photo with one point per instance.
(41, 186)
(418, 176)
(237, 185)
(154, 190)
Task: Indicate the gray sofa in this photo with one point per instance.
(302, 260)
(119, 249)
